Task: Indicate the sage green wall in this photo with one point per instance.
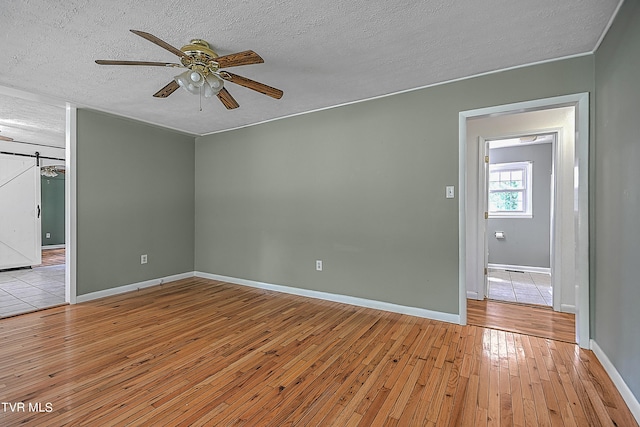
(360, 187)
(52, 201)
(135, 196)
(617, 201)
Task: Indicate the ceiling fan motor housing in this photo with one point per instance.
(201, 57)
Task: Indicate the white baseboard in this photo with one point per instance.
(53, 246)
(345, 299)
(525, 268)
(568, 308)
(132, 287)
(618, 381)
(473, 295)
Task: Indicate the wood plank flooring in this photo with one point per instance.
(52, 257)
(538, 321)
(198, 352)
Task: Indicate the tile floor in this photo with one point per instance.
(525, 288)
(27, 290)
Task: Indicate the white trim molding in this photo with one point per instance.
(618, 381)
(473, 295)
(344, 299)
(71, 204)
(487, 73)
(45, 247)
(133, 287)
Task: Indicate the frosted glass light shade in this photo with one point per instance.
(215, 82)
(194, 82)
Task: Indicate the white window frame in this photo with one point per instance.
(527, 170)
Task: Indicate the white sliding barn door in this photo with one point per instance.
(20, 238)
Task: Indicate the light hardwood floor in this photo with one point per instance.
(52, 257)
(533, 320)
(199, 352)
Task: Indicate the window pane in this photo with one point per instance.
(519, 202)
(508, 192)
(508, 185)
(516, 184)
(493, 202)
(506, 201)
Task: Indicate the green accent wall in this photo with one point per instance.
(615, 237)
(52, 204)
(360, 187)
(135, 196)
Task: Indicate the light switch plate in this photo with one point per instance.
(450, 192)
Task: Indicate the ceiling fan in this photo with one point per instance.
(204, 74)
(52, 171)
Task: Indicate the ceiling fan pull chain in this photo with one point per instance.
(200, 98)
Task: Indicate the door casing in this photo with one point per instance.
(554, 252)
(468, 225)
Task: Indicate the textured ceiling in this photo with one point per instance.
(319, 53)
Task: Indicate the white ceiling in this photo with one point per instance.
(320, 53)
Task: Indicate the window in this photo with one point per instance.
(510, 190)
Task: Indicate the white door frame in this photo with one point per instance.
(483, 189)
(555, 246)
(467, 224)
(70, 209)
(70, 205)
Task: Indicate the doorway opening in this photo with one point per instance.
(518, 200)
(34, 209)
(47, 279)
(569, 229)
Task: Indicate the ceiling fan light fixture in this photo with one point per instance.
(182, 79)
(207, 91)
(186, 81)
(215, 82)
(48, 171)
(195, 78)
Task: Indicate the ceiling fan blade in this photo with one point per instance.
(252, 84)
(241, 58)
(171, 87)
(5, 138)
(161, 43)
(149, 63)
(225, 97)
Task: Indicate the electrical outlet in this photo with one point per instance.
(48, 236)
(143, 259)
(318, 265)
